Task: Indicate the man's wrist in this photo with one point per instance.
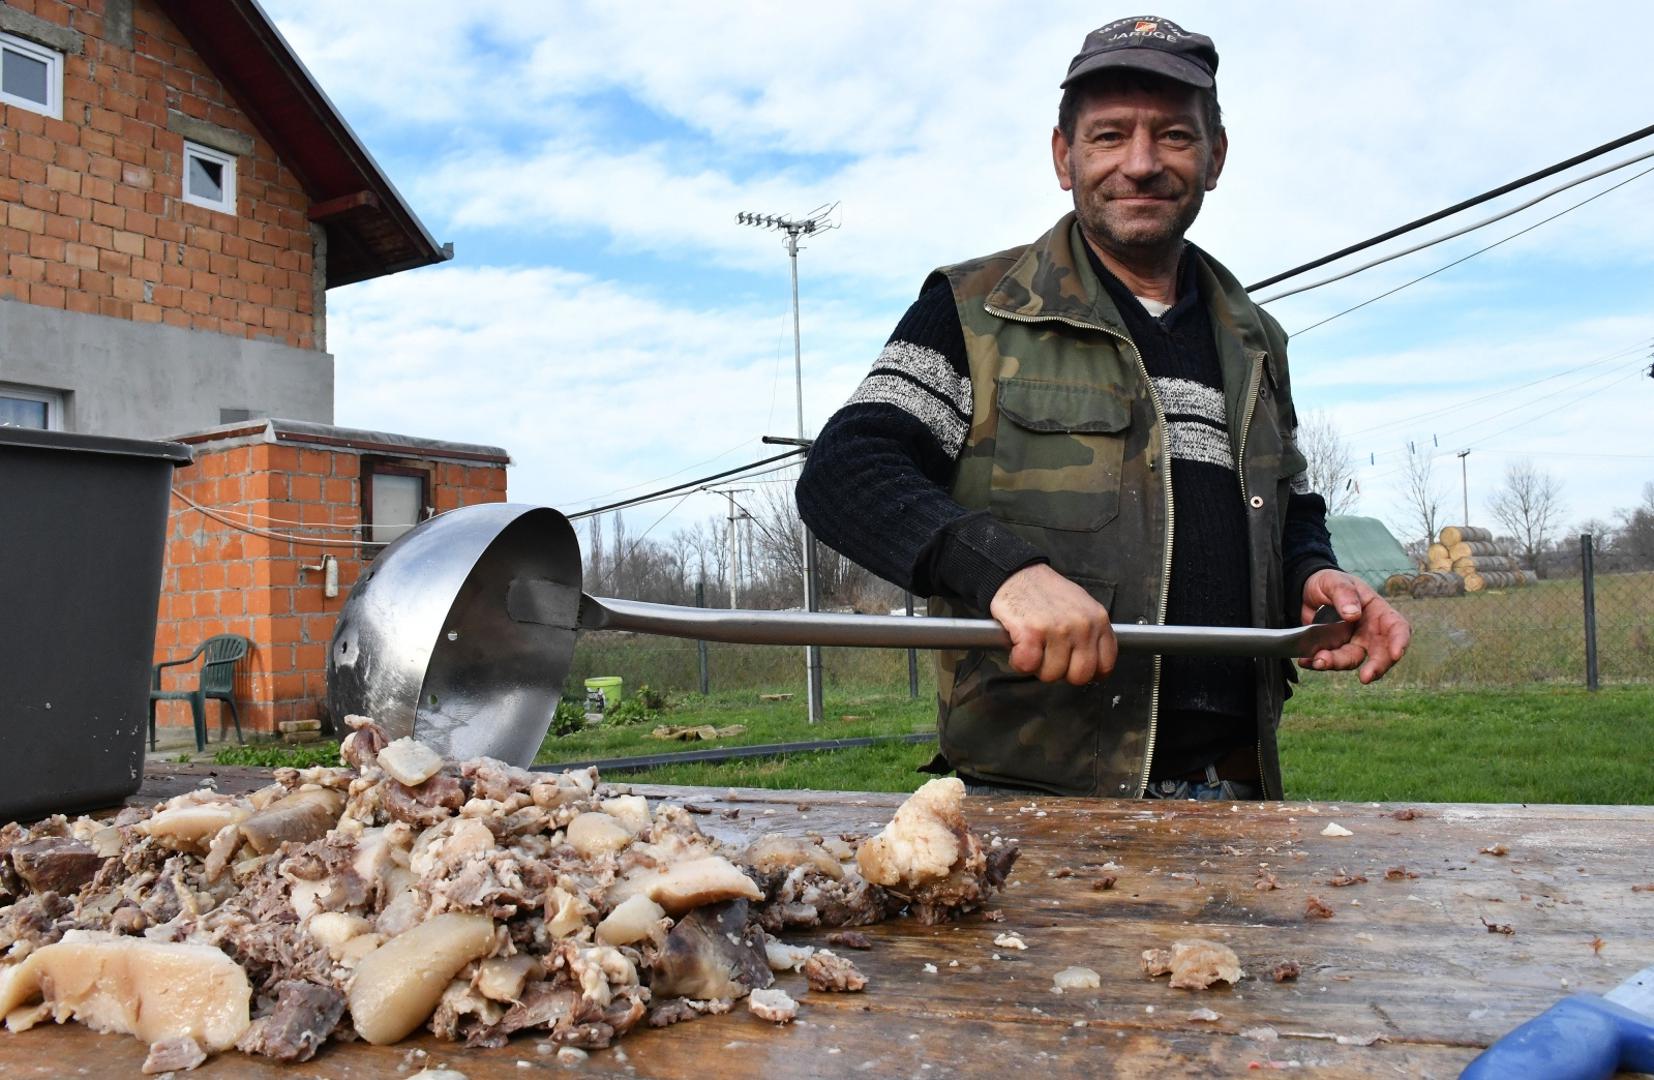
(974, 557)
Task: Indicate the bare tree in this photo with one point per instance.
(1637, 533)
(1331, 470)
(1421, 496)
(1529, 506)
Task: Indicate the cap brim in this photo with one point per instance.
(1151, 60)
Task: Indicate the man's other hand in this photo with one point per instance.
(1381, 633)
(1057, 630)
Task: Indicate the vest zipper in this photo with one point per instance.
(1171, 511)
(1246, 421)
(1240, 471)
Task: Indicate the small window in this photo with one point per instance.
(31, 76)
(209, 178)
(395, 498)
(30, 407)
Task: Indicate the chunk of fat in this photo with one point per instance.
(152, 989)
(566, 911)
(772, 1004)
(922, 841)
(410, 761)
(305, 815)
(594, 833)
(1076, 978)
(398, 984)
(783, 957)
(784, 853)
(191, 826)
(638, 918)
(632, 811)
(502, 978)
(332, 930)
(694, 882)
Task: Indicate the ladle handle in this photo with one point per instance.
(902, 632)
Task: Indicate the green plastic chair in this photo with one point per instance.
(217, 681)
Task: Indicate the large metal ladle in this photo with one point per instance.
(461, 632)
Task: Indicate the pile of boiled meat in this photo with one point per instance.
(476, 899)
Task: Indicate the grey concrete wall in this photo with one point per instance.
(146, 381)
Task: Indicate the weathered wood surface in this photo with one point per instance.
(1410, 961)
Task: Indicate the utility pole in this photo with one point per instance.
(734, 544)
(814, 222)
(1464, 484)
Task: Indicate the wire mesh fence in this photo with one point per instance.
(1497, 637)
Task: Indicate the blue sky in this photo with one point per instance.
(608, 322)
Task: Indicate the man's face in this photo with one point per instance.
(1139, 165)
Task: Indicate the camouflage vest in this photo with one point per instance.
(1068, 449)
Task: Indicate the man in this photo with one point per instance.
(1093, 428)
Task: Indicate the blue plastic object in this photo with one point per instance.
(1581, 1037)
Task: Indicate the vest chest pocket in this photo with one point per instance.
(1059, 449)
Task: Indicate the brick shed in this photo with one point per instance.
(245, 552)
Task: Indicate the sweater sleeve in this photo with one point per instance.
(1306, 546)
(875, 485)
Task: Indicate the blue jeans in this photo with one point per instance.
(1209, 789)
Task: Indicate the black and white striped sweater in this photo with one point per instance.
(876, 489)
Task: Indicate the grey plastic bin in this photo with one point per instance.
(83, 524)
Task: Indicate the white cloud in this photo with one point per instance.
(606, 131)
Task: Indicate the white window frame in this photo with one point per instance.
(226, 205)
(52, 399)
(53, 60)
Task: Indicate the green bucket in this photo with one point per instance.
(607, 685)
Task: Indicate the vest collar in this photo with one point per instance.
(1049, 282)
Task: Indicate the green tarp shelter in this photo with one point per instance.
(1366, 549)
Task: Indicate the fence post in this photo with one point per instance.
(1589, 578)
(912, 659)
(700, 646)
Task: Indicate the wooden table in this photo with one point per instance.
(1409, 961)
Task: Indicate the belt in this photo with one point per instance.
(1240, 764)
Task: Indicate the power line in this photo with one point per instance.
(1477, 200)
(1472, 255)
(1457, 405)
(675, 488)
(1456, 233)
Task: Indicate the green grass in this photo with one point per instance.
(1546, 745)
(1338, 742)
(844, 716)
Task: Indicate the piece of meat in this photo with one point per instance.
(299, 818)
(360, 749)
(57, 864)
(303, 1016)
(177, 1054)
(1197, 964)
(424, 805)
(850, 939)
(1286, 971)
(928, 855)
(1315, 908)
(828, 971)
(712, 953)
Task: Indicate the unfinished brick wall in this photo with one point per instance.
(93, 215)
(223, 579)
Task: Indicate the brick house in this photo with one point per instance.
(177, 195)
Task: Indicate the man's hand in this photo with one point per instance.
(1381, 634)
(1056, 628)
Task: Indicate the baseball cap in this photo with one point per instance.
(1147, 43)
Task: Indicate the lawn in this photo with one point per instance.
(1545, 744)
(1339, 741)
